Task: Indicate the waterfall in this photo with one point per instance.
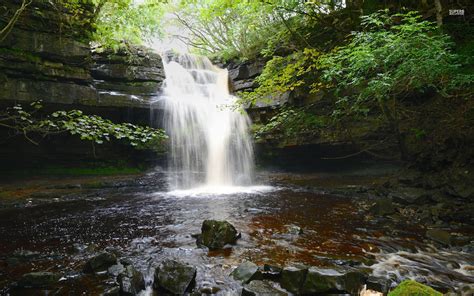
(210, 145)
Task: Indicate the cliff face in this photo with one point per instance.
(300, 148)
(47, 57)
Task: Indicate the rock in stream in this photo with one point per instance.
(216, 234)
(174, 277)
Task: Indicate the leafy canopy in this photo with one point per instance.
(393, 57)
(117, 23)
(242, 29)
(379, 71)
(226, 28)
(122, 21)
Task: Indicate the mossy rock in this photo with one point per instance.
(412, 288)
(100, 262)
(216, 234)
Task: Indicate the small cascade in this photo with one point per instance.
(210, 145)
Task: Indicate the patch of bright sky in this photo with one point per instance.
(168, 41)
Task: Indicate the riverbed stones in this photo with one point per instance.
(292, 278)
(216, 234)
(293, 229)
(312, 280)
(174, 277)
(131, 281)
(411, 195)
(321, 280)
(261, 288)
(382, 207)
(39, 279)
(245, 272)
(22, 256)
(100, 262)
(112, 291)
(353, 281)
(271, 272)
(379, 284)
(440, 236)
(115, 270)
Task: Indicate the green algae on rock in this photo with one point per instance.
(412, 288)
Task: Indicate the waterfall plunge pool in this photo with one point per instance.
(59, 225)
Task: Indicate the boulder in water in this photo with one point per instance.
(174, 277)
(379, 284)
(271, 272)
(216, 234)
(292, 279)
(322, 280)
(245, 272)
(261, 288)
(382, 207)
(353, 282)
(100, 262)
(40, 279)
(115, 270)
(410, 195)
(440, 236)
(326, 280)
(131, 281)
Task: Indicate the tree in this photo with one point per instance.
(113, 23)
(375, 76)
(394, 58)
(122, 22)
(227, 28)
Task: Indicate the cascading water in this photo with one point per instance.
(210, 142)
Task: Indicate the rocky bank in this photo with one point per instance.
(47, 57)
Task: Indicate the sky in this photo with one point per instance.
(168, 42)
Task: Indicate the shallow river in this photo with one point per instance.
(284, 222)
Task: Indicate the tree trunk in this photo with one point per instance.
(439, 12)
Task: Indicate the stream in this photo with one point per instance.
(57, 224)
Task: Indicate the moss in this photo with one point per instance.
(22, 54)
(4, 194)
(412, 288)
(76, 171)
(98, 171)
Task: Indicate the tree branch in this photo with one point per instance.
(8, 28)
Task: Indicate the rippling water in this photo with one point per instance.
(146, 223)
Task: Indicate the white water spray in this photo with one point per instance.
(210, 142)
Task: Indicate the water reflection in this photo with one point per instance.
(279, 225)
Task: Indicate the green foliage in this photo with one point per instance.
(122, 22)
(394, 57)
(88, 127)
(283, 74)
(227, 28)
(412, 288)
(242, 29)
(89, 171)
(378, 75)
(115, 24)
(296, 124)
